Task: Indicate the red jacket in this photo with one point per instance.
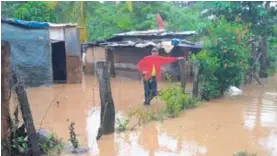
(147, 63)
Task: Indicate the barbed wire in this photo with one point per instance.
(50, 105)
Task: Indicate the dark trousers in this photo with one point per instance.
(150, 89)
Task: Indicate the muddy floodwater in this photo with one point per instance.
(217, 128)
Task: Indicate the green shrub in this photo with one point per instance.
(224, 58)
(176, 101)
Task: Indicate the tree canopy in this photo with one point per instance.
(35, 11)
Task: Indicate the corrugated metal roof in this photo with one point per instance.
(142, 44)
(62, 25)
(160, 32)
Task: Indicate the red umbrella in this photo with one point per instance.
(160, 21)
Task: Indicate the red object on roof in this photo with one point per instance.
(160, 21)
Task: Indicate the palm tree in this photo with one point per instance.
(73, 11)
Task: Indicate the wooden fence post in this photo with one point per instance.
(110, 58)
(183, 80)
(107, 105)
(5, 90)
(26, 114)
(195, 89)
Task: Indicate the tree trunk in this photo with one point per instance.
(107, 105)
(254, 76)
(195, 90)
(5, 91)
(27, 115)
(183, 80)
(264, 60)
(251, 60)
(110, 58)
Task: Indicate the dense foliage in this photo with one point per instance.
(259, 15)
(224, 58)
(272, 52)
(35, 11)
(101, 20)
(261, 18)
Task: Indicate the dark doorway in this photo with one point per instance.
(59, 62)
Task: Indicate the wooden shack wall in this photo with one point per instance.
(93, 54)
(126, 59)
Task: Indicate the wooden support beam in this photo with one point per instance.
(110, 58)
(195, 89)
(183, 80)
(107, 105)
(26, 114)
(5, 90)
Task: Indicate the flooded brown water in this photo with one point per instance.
(217, 128)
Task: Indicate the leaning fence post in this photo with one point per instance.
(107, 105)
(182, 64)
(195, 89)
(26, 114)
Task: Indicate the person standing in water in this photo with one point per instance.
(150, 67)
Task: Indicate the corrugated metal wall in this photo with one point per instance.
(72, 42)
(73, 55)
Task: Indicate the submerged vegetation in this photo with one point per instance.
(51, 145)
(141, 117)
(245, 154)
(176, 100)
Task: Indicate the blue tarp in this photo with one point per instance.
(30, 53)
(26, 24)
